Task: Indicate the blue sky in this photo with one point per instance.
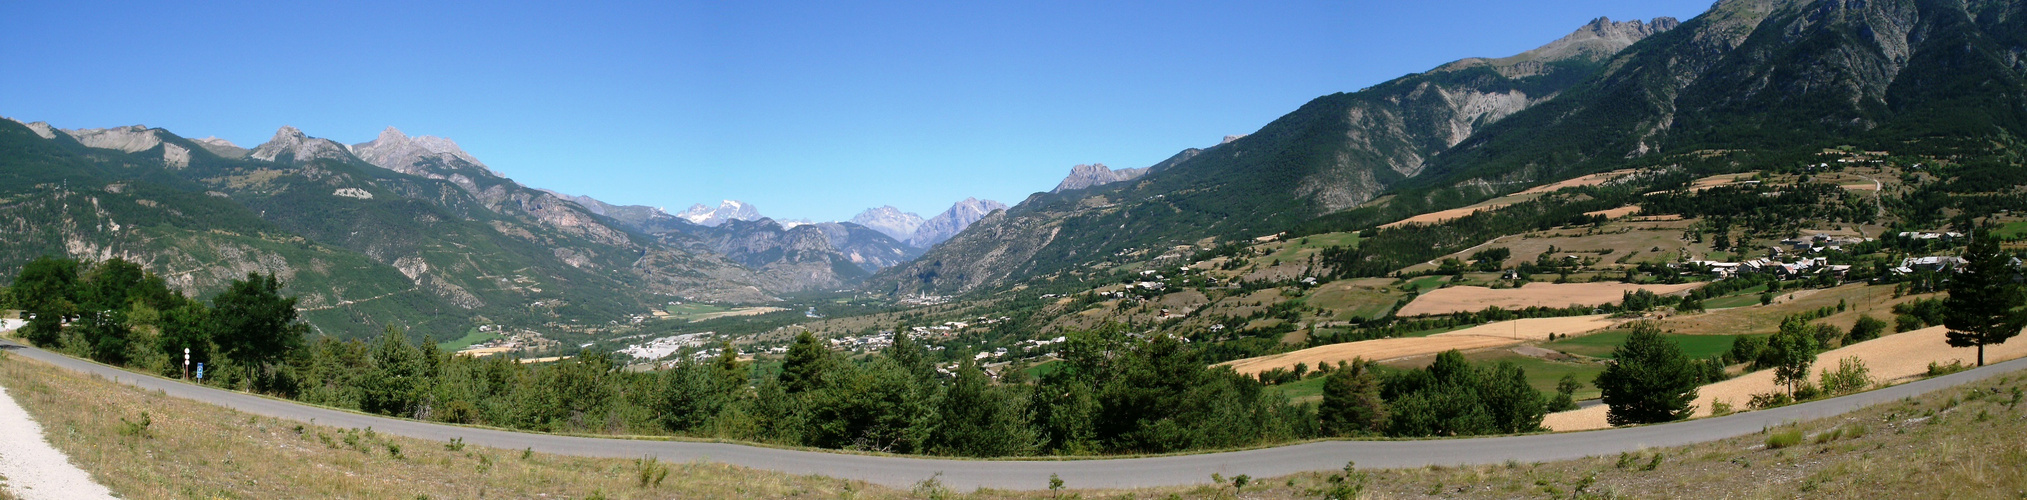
(805, 109)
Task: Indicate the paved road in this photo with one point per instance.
(965, 475)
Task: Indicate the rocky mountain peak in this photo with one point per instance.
(291, 145)
(40, 128)
(221, 147)
(890, 221)
(131, 138)
(1594, 41)
(426, 156)
(947, 224)
(1096, 174)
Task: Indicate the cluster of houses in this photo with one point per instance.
(1817, 243)
(885, 338)
(660, 347)
(1786, 270)
(1919, 235)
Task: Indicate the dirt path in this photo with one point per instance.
(1489, 335)
(1891, 359)
(31, 467)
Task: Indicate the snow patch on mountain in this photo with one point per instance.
(727, 210)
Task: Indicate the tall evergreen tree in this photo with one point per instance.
(1984, 305)
(1650, 380)
(393, 381)
(1351, 402)
(802, 370)
(979, 419)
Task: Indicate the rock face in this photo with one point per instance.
(1753, 74)
(1594, 42)
(783, 256)
(803, 257)
(952, 221)
(637, 217)
(289, 145)
(131, 139)
(728, 210)
(221, 147)
(890, 221)
(423, 155)
(41, 129)
(1335, 152)
(1096, 174)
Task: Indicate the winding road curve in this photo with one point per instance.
(964, 475)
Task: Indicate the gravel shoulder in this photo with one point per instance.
(31, 467)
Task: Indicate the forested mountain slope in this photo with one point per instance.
(1775, 74)
(1336, 152)
(365, 246)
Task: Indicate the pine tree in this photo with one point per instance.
(1650, 380)
(1351, 402)
(803, 368)
(1984, 305)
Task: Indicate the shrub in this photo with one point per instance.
(650, 471)
(1850, 376)
(1766, 400)
(1867, 328)
(1784, 439)
(1937, 370)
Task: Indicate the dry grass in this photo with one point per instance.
(1858, 298)
(1504, 201)
(1935, 446)
(195, 450)
(1615, 213)
(1891, 359)
(1486, 336)
(1471, 298)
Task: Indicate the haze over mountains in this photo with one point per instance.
(414, 231)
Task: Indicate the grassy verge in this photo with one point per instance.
(1951, 443)
(195, 450)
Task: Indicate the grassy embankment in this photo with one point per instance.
(1940, 445)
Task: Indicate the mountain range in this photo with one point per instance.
(1760, 75)
(415, 232)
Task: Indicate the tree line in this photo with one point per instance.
(117, 313)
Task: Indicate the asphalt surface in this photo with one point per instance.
(965, 475)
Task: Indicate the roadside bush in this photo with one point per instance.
(1766, 400)
(1937, 369)
(1850, 376)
